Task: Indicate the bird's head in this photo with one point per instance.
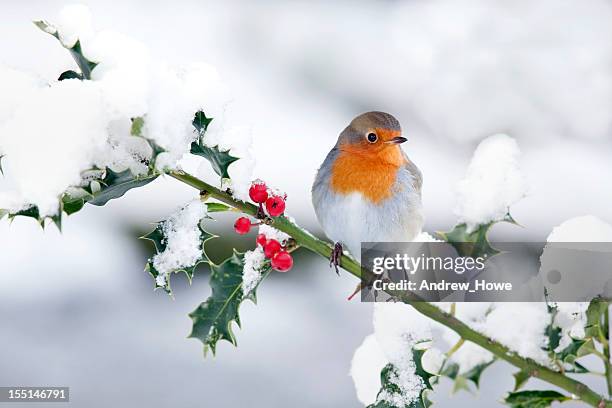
(372, 134)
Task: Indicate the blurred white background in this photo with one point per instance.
(76, 308)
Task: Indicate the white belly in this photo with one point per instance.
(351, 219)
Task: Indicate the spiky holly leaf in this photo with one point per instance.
(159, 239)
(520, 379)
(220, 160)
(85, 65)
(461, 380)
(200, 122)
(115, 185)
(473, 242)
(470, 243)
(476, 372)
(213, 319)
(534, 399)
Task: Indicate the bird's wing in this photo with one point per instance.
(415, 172)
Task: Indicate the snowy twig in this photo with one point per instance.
(304, 239)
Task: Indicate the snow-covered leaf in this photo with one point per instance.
(219, 160)
(389, 387)
(85, 65)
(179, 245)
(534, 399)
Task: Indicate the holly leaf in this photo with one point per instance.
(200, 122)
(115, 185)
(220, 160)
(534, 399)
(594, 314)
(213, 319)
(159, 239)
(475, 373)
(217, 207)
(470, 243)
(473, 242)
(520, 379)
(85, 65)
(461, 381)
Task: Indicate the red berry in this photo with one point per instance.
(275, 205)
(282, 261)
(242, 225)
(261, 239)
(258, 192)
(271, 248)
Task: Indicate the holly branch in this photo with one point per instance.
(324, 248)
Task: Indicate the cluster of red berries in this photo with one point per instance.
(280, 259)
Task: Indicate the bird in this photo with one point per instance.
(367, 189)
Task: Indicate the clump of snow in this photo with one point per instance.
(183, 239)
(251, 272)
(50, 138)
(238, 141)
(273, 233)
(521, 327)
(368, 361)
(81, 124)
(587, 228)
(469, 355)
(571, 316)
(74, 23)
(493, 182)
(398, 329)
(425, 237)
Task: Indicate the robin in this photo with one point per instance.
(367, 189)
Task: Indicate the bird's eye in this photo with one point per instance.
(372, 138)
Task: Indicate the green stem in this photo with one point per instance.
(606, 348)
(304, 239)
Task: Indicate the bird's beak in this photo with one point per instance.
(396, 140)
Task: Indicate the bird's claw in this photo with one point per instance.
(336, 255)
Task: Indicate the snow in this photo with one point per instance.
(273, 233)
(587, 228)
(251, 272)
(368, 361)
(74, 23)
(50, 138)
(571, 316)
(521, 327)
(432, 360)
(238, 141)
(398, 329)
(81, 124)
(183, 239)
(493, 182)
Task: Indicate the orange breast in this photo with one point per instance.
(373, 175)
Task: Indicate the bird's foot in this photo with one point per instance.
(336, 255)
